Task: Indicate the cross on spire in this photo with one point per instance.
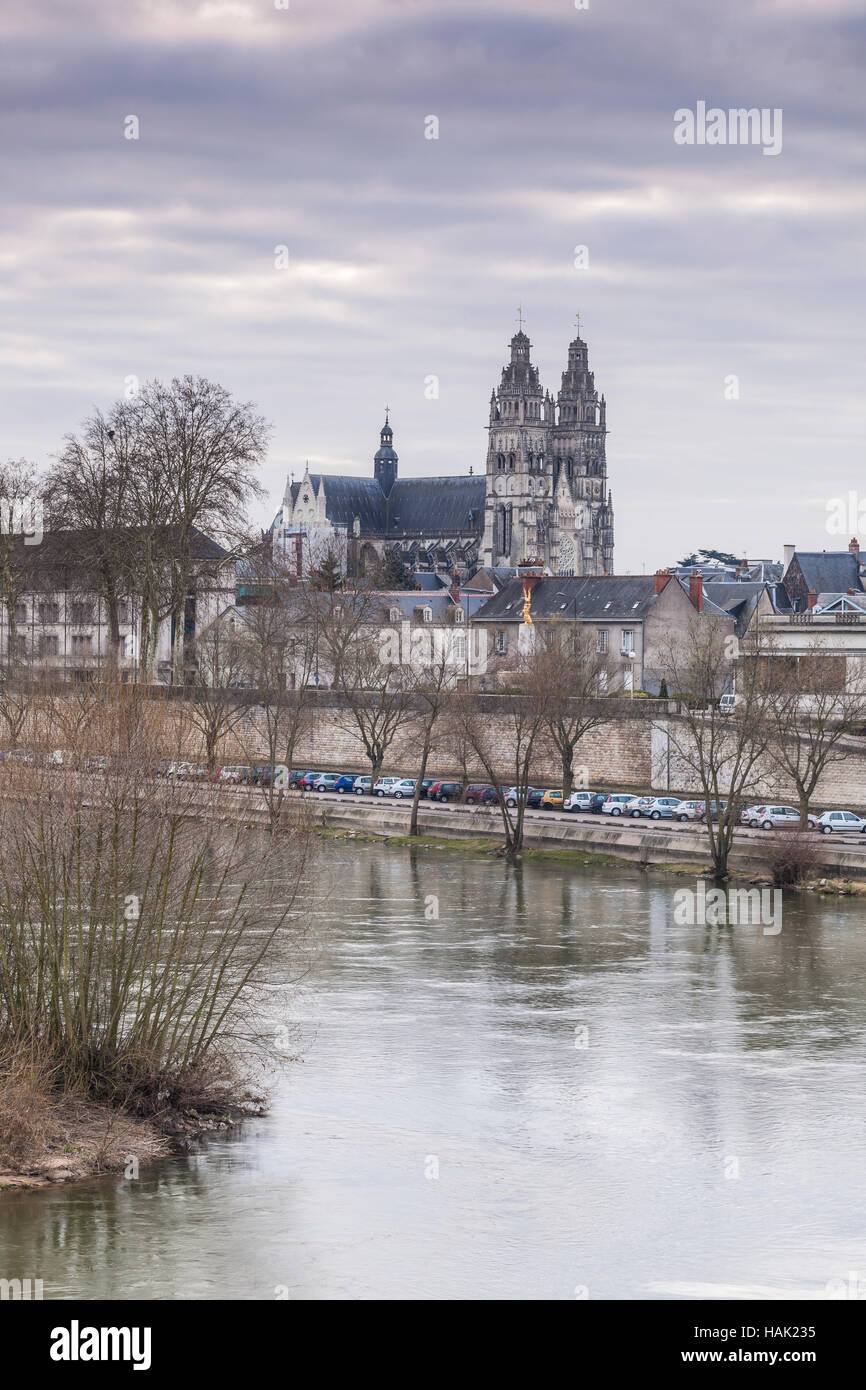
(577, 316)
(520, 316)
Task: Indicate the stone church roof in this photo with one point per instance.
(432, 506)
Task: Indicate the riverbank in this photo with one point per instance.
(574, 858)
(598, 841)
(63, 1139)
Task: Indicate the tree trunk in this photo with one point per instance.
(567, 755)
(413, 819)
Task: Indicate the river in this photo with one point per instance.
(547, 1090)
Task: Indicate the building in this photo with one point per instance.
(634, 617)
(543, 492)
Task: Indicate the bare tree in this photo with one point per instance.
(724, 753)
(207, 446)
(515, 721)
(372, 684)
(19, 488)
(816, 701)
(88, 498)
(221, 672)
(566, 669)
(431, 693)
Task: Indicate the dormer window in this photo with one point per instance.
(427, 615)
(394, 615)
(459, 615)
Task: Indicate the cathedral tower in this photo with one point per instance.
(583, 543)
(546, 491)
(518, 493)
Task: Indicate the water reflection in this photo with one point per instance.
(610, 1100)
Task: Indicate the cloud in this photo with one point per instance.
(305, 128)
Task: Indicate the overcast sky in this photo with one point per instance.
(261, 127)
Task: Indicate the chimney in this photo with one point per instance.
(854, 547)
(455, 586)
(812, 599)
(741, 569)
(696, 590)
(660, 579)
(789, 555)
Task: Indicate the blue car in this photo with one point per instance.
(344, 784)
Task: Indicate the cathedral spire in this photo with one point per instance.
(385, 459)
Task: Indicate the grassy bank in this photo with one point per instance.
(137, 947)
(577, 857)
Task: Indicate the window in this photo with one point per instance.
(82, 613)
(427, 615)
(459, 615)
(18, 646)
(460, 648)
(601, 643)
(82, 644)
(501, 641)
(123, 611)
(21, 612)
(627, 647)
(628, 679)
(394, 615)
(48, 645)
(49, 611)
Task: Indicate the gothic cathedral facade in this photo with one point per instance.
(546, 493)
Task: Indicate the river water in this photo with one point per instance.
(550, 1090)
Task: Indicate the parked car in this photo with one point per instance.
(344, 783)
(384, 785)
(534, 796)
(362, 786)
(552, 799)
(480, 793)
(308, 780)
(717, 808)
(598, 800)
(445, 791)
(637, 806)
(295, 777)
(728, 703)
(768, 817)
(327, 782)
(426, 784)
(840, 821)
(614, 803)
(236, 774)
(662, 808)
(689, 810)
(579, 801)
(403, 788)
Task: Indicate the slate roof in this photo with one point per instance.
(739, 600)
(428, 506)
(347, 497)
(437, 506)
(851, 601)
(429, 582)
(496, 577)
(829, 571)
(610, 597)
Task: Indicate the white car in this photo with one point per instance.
(840, 820)
(616, 803)
(405, 786)
(362, 785)
(384, 785)
(689, 810)
(661, 807)
(638, 806)
(578, 801)
(768, 817)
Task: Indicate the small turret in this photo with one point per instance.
(385, 459)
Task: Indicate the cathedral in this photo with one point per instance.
(543, 495)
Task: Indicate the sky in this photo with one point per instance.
(720, 291)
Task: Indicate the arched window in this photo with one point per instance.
(511, 462)
(500, 462)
